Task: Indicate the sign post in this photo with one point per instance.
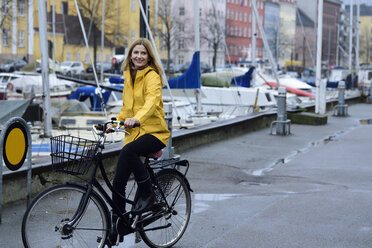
(15, 146)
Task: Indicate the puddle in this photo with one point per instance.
(366, 122)
(200, 202)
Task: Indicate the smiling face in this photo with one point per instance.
(139, 56)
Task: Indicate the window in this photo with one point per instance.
(5, 37)
(227, 14)
(180, 59)
(245, 2)
(134, 5)
(181, 27)
(241, 16)
(21, 38)
(86, 58)
(64, 7)
(6, 7)
(245, 32)
(181, 44)
(232, 14)
(182, 11)
(77, 57)
(245, 16)
(21, 7)
(68, 56)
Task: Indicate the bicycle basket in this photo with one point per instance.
(72, 155)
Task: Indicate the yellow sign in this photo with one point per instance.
(15, 146)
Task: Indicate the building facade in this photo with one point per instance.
(287, 31)
(305, 44)
(239, 34)
(365, 45)
(272, 23)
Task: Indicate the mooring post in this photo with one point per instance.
(168, 151)
(283, 126)
(341, 109)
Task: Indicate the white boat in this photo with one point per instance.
(30, 85)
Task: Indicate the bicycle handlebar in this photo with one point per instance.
(100, 129)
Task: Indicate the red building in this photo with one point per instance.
(239, 34)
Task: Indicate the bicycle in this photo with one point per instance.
(77, 215)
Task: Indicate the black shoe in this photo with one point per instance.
(146, 197)
(123, 228)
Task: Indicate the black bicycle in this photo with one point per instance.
(77, 214)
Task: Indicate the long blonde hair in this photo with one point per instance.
(153, 62)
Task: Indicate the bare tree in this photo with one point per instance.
(92, 9)
(163, 30)
(171, 29)
(213, 33)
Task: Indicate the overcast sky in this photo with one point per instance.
(369, 2)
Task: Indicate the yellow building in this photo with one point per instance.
(20, 29)
(13, 35)
(365, 45)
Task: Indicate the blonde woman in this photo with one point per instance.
(143, 116)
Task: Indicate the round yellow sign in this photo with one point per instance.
(15, 146)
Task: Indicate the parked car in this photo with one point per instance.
(52, 66)
(106, 68)
(12, 65)
(6, 83)
(71, 68)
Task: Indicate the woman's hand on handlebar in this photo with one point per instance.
(110, 128)
(131, 122)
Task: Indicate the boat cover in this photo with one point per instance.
(83, 93)
(243, 80)
(12, 108)
(190, 79)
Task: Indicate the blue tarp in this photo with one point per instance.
(190, 79)
(243, 80)
(83, 93)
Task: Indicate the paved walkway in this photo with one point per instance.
(310, 189)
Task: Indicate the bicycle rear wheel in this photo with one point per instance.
(172, 221)
(43, 222)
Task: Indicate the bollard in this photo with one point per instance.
(283, 126)
(341, 109)
(369, 99)
(168, 151)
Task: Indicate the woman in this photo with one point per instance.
(143, 117)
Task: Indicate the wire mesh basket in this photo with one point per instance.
(72, 155)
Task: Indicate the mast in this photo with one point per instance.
(351, 37)
(44, 67)
(320, 94)
(197, 48)
(102, 37)
(254, 60)
(357, 38)
(54, 35)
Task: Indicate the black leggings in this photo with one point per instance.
(129, 162)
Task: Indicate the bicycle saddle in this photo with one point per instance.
(155, 155)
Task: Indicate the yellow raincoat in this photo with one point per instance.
(143, 101)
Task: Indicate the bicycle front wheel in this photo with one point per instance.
(173, 211)
(44, 221)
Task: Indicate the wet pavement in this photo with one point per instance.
(312, 188)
